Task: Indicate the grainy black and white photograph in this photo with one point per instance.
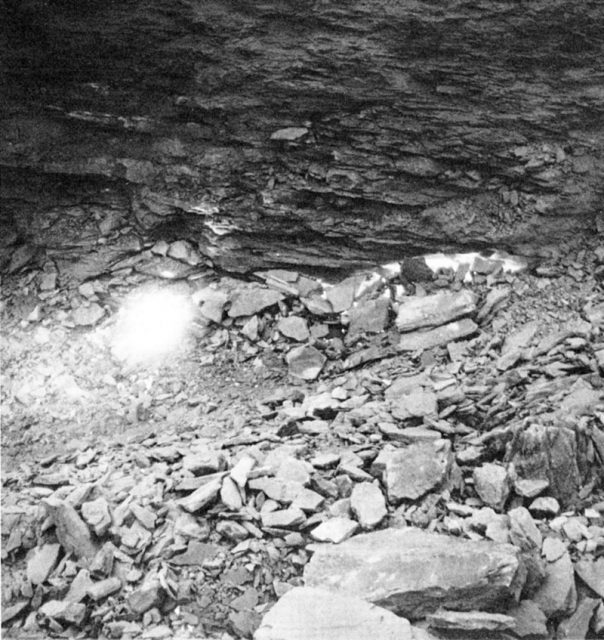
(302, 319)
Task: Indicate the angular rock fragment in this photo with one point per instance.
(65, 611)
(413, 572)
(434, 310)
(305, 362)
(212, 303)
(368, 504)
(146, 597)
(495, 299)
(576, 626)
(422, 340)
(285, 518)
(87, 316)
(97, 516)
(473, 621)
(369, 317)
(411, 472)
(41, 562)
(201, 497)
(10, 612)
(523, 530)
(72, 533)
(592, 573)
(252, 300)
(492, 484)
(305, 613)
(341, 295)
(104, 588)
(79, 586)
(545, 506)
(335, 530)
(416, 404)
(196, 554)
(294, 327)
(557, 595)
(548, 454)
(529, 620)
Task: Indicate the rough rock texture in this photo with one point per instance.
(278, 132)
(315, 614)
(412, 572)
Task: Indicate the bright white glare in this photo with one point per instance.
(436, 261)
(151, 324)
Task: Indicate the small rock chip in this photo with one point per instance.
(230, 495)
(335, 530)
(196, 554)
(368, 504)
(97, 516)
(87, 316)
(231, 530)
(72, 532)
(417, 404)
(492, 484)
(289, 134)
(294, 327)
(148, 596)
(410, 473)
(523, 530)
(305, 362)
(291, 518)
(41, 562)
(65, 611)
(470, 620)
(201, 497)
(422, 340)
(553, 548)
(104, 588)
(305, 613)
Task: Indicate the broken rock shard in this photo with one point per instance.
(421, 340)
(434, 310)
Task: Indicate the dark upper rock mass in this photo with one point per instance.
(321, 134)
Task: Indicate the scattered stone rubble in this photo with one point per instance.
(403, 485)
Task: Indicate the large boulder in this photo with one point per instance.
(412, 572)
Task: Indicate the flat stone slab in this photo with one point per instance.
(315, 614)
(434, 310)
(421, 340)
(412, 572)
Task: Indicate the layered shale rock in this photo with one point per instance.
(272, 133)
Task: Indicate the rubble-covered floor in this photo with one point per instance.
(430, 443)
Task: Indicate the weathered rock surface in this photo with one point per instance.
(337, 138)
(368, 504)
(412, 572)
(434, 310)
(306, 613)
(420, 340)
(412, 471)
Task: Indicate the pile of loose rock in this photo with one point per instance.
(442, 478)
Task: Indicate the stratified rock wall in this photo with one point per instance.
(329, 134)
